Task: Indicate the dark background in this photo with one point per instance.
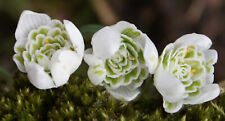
(162, 20)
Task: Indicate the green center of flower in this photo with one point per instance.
(42, 43)
(188, 65)
(127, 65)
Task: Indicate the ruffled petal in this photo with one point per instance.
(123, 93)
(91, 59)
(211, 56)
(96, 74)
(199, 40)
(150, 52)
(168, 85)
(75, 37)
(19, 62)
(28, 21)
(106, 42)
(38, 77)
(121, 25)
(207, 93)
(172, 107)
(64, 63)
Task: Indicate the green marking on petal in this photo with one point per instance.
(130, 32)
(132, 52)
(186, 82)
(143, 75)
(199, 54)
(140, 57)
(129, 41)
(99, 72)
(194, 93)
(166, 60)
(27, 55)
(169, 105)
(190, 53)
(133, 74)
(108, 69)
(114, 81)
(43, 31)
(33, 35)
(55, 32)
(64, 35)
(20, 59)
(20, 49)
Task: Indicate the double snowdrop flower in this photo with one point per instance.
(185, 72)
(121, 59)
(49, 51)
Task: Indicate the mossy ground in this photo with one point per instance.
(79, 100)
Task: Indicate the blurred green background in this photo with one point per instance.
(162, 20)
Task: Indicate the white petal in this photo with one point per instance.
(106, 42)
(38, 77)
(210, 76)
(150, 52)
(199, 40)
(96, 74)
(75, 37)
(121, 25)
(174, 108)
(28, 21)
(91, 59)
(211, 55)
(207, 93)
(168, 85)
(19, 65)
(123, 93)
(64, 63)
(167, 49)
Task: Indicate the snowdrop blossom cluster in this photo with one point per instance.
(121, 59)
(185, 72)
(47, 50)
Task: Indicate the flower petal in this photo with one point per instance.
(200, 40)
(96, 74)
(38, 77)
(90, 59)
(123, 93)
(150, 52)
(168, 85)
(96, 71)
(106, 42)
(64, 63)
(172, 107)
(211, 56)
(28, 21)
(207, 93)
(19, 62)
(121, 25)
(75, 37)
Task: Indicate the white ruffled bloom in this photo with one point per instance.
(47, 50)
(185, 72)
(121, 59)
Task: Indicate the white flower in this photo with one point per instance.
(47, 50)
(185, 72)
(121, 59)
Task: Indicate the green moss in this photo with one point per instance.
(80, 100)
